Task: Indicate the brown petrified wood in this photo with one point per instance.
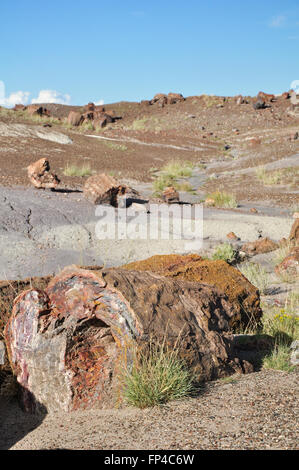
(67, 343)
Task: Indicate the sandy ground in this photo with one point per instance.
(43, 231)
(258, 411)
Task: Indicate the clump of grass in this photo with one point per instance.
(268, 178)
(256, 274)
(177, 169)
(156, 377)
(139, 124)
(283, 325)
(224, 252)
(169, 174)
(281, 253)
(279, 359)
(223, 199)
(75, 170)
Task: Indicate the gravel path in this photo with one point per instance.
(255, 411)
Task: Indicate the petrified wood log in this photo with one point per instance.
(66, 344)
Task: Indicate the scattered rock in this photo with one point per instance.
(294, 235)
(209, 202)
(103, 189)
(260, 104)
(173, 98)
(263, 245)
(170, 195)
(75, 119)
(254, 142)
(232, 236)
(19, 107)
(286, 95)
(265, 97)
(67, 344)
(40, 176)
(296, 215)
(35, 109)
(243, 296)
(290, 264)
(253, 210)
(295, 353)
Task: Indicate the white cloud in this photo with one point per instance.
(99, 103)
(51, 96)
(17, 97)
(278, 21)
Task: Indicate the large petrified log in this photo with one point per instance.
(242, 295)
(66, 344)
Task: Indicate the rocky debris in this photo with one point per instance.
(210, 202)
(295, 353)
(243, 296)
(2, 353)
(286, 95)
(172, 98)
(253, 210)
(294, 136)
(19, 107)
(170, 195)
(67, 344)
(294, 234)
(290, 264)
(254, 142)
(35, 109)
(104, 189)
(75, 119)
(266, 97)
(260, 104)
(40, 176)
(232, 236)
(263, 245)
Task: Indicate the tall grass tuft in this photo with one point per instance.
(157, 376)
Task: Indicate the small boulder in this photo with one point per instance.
(260, 104)
(75, 119)
(290, 264)
(40, 176)
(232, 236)
(103, 189)
(170, 195)
(294, 234)
(263, 245)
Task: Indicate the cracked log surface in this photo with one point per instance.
(67, 343)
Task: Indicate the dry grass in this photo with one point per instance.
(256, 274)
(222, 199)
(75, 170)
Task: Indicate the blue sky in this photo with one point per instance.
(74, 51)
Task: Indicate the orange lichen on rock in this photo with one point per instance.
(243, 296)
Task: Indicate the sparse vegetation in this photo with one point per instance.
(169, 174)
(223, 199)
(114, 146)
(75, 170)
(268, 178)
(156, 377)
(281, 253)
(224, 252)
(256, 274)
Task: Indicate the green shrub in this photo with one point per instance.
(156, 377)
(256, 274)
(224, 252)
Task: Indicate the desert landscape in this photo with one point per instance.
(76, 310)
